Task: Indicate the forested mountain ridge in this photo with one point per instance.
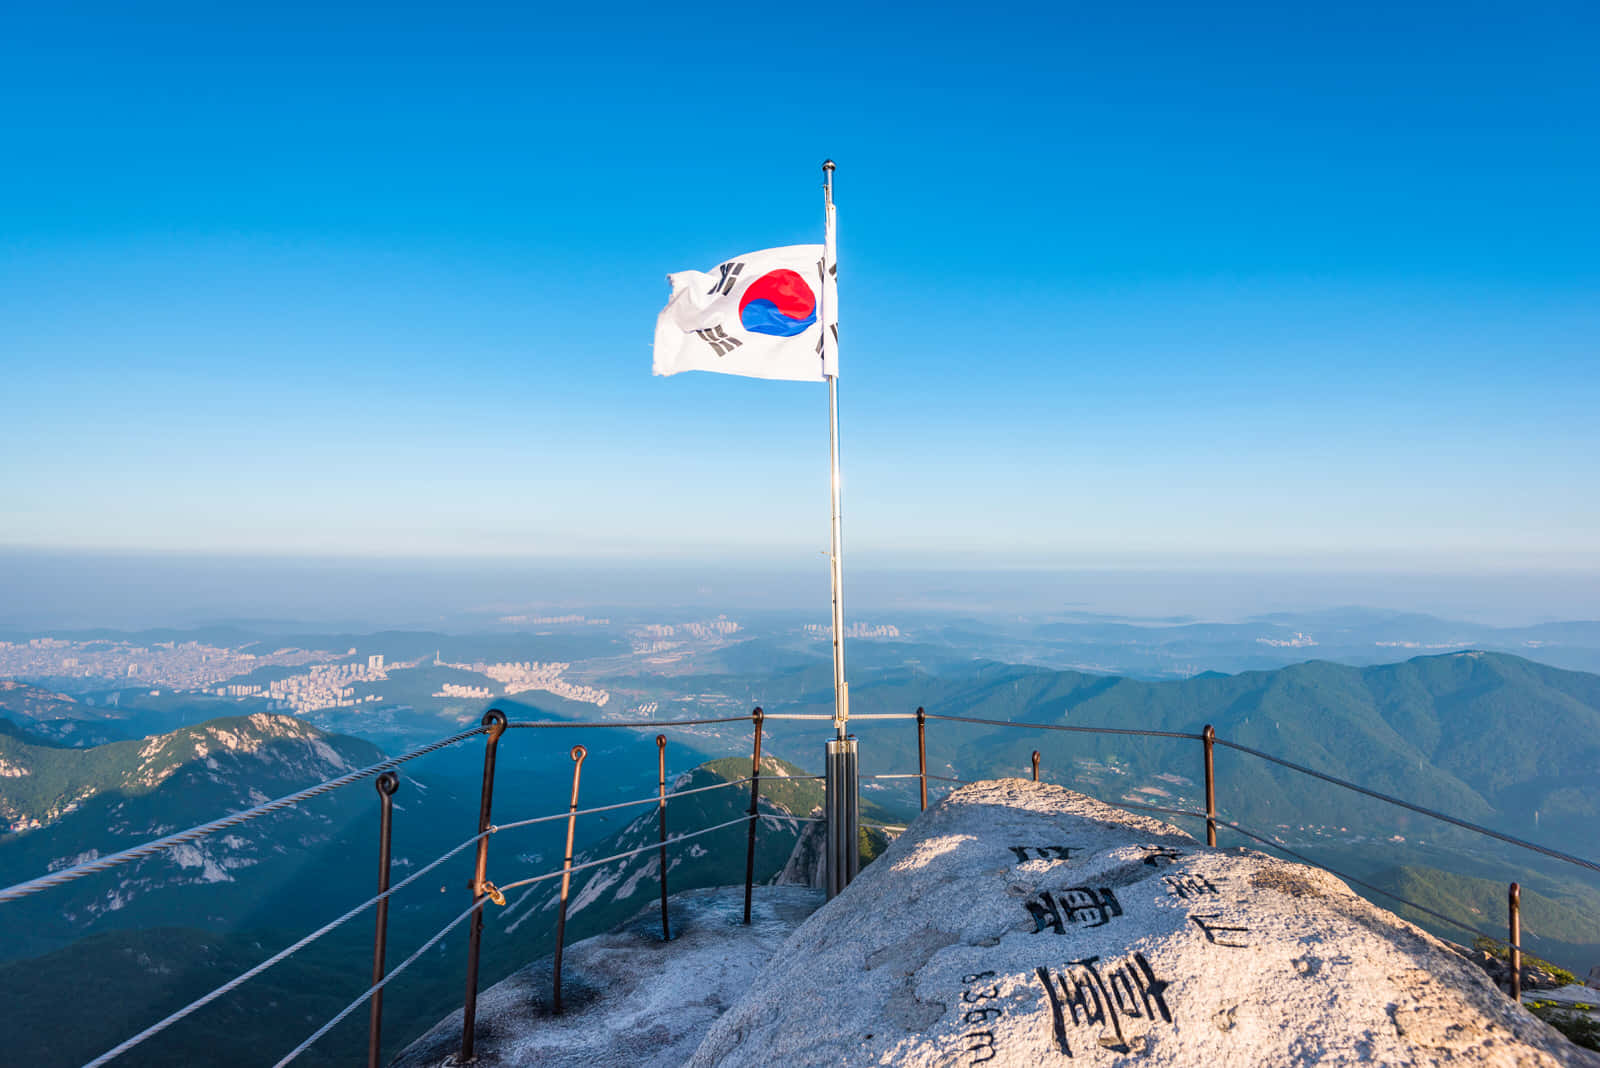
(1483, 736)
(67, 806)
(23, 701)
(237, 756)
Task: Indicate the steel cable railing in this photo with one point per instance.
(1302, 769)
(623, 856)
(402, 966)
(829, 719)
(1352, 879)
(157, 845)
(149, 848)
(1070, 728)
(289, 951)
(283, 954)
(357, 1003)
(656, 800)
(1291, 765)
(563, 723)
(1196, 813)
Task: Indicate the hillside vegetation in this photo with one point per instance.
(1484, 736)
(40, 783)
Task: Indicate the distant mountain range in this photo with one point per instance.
(227, 761)
(1168, 648)
(1486, 736)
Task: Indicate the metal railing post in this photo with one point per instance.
(661, 787)
(1036, 765)
(1208, 738)
(844, 818)
(1514, 918)
(578, 753)
(755, 796)
(922, 754)
(495, 721)
(386, 784)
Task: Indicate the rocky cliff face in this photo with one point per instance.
(1019, 924)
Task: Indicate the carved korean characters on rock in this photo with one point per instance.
(1110, 1002)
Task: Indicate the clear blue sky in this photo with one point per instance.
(1118, 284)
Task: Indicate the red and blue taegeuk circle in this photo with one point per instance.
(778, 303)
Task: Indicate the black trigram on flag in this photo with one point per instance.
(718, 339)
(725, 284)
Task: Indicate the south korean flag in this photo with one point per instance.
(767, 314)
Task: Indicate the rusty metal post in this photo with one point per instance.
(922, 754)
(387, 784)
(1208, 737)
(1514, 911)
(755, 797)
(495, 721)
(661, 785)
(578, 753)
(1036, 765)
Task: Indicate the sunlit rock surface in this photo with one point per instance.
(630, 998)
(1023, 924)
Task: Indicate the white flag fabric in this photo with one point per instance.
(767, 314)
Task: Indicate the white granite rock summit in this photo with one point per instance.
(1020, 923)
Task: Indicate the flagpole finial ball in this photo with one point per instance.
(827, 164)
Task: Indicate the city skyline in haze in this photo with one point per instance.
(1234, 288)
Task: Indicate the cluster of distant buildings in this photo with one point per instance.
(721, 627)
(451, 689)
(652, 639)
(519, 677)
(327, 686)
(178, 665)
(1296, 641)
(551, 621)
(854, 630)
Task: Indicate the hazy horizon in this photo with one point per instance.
(81, 590)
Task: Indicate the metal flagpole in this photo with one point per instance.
(843, 782)
(841, 690)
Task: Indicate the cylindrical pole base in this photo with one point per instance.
(844, 815)
(1514, 911)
